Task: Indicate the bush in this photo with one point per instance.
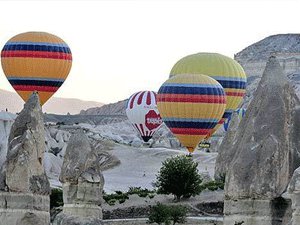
(179, 176)
(178, 214)
(213, 185)
(121, 197)
(163, 214)
(139, 191)
(111, 201)
(159, 214)
(117, 196)
(56, 198)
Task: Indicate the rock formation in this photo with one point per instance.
(265, 152)
(24, 196)
(82, 183)
(294, 191)
(226, 152)
(6, 121)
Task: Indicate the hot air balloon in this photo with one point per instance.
(142, 112)
(36, 61)
(241, 113)
(191, 106)
(225, 70)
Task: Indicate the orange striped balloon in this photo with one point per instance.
(36, 61)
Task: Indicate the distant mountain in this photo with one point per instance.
(117, 108)
(13, 103)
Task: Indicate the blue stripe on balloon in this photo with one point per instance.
(198, 125)
(190, 85)
(172, 119)
(33, 47)
(242, 79)
(35, 78)
(165, 89)
(233, 84)
(50, 83)
(227, 113)
(38, 43)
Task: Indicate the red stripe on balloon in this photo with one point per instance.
(34, 88)
(148, 101)
(132, 100)
(37, 54)
(221, 121)
(137, 127)
(191, 98)
(142, 129)
(140, 98)
(231, 93)
(190, 131)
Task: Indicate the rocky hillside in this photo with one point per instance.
(261, 50)
(117, 108)
(286, 48)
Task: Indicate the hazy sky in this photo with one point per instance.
(120, 47)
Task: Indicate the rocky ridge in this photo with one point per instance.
(117, 108)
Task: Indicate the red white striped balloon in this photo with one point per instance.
(142, 112)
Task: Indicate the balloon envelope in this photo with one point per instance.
(142, 112)
(241, 113)
(36, 61)
(225, 70)
(191, 106)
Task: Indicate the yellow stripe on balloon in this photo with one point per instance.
(190, 141)
(44, 96)
(190, 110)
(43, 68)
(37, 37)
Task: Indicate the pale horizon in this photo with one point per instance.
(121, 47)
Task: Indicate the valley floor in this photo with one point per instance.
(139, 166)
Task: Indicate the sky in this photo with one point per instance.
(121, 47)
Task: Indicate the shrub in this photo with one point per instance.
(179, 176)
(178, 214)
(56, 198)
(140, 192)
(159, 214)
(213, 185)
(121, 197)
(111, 201)
(163, 214)
(122, 200)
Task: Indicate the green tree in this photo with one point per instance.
(179, 176)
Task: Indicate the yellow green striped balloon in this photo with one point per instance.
(191, 106)
(228, 72)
